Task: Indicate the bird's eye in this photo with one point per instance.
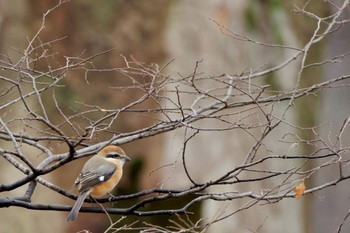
(113, 155)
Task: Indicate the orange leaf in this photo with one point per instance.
(299, 190)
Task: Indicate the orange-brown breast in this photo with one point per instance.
(107, 186)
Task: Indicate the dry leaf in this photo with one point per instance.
(299, 190)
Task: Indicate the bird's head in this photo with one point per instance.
(114, 154)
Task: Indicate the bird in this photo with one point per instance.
(99, 175)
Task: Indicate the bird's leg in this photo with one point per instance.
(111, 197)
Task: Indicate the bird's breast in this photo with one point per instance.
(107, 186)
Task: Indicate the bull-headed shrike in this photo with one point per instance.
(99, 176)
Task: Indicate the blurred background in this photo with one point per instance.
(159, 31)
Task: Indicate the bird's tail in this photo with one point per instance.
(75, 210)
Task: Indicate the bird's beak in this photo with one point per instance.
(126, 158)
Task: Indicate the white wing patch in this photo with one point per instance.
(101, 178)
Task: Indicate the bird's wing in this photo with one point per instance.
(95, 171)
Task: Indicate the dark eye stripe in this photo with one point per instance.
(113, 155)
